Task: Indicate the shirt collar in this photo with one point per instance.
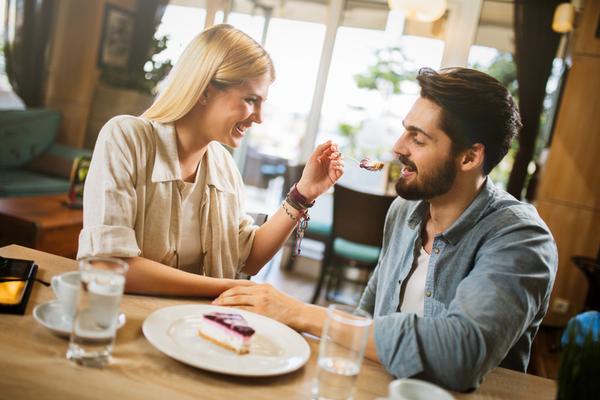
(472, 214)
(166, 161)
(217, 172)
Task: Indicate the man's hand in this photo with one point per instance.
(266, 300)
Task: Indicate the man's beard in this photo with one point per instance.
(431, 185)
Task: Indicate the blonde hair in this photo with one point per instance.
(221, 55)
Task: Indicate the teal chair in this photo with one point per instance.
(356, 236)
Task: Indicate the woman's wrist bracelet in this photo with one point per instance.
(301, 221)
(297, 200)
(287, 211)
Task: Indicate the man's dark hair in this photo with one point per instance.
(476, 108)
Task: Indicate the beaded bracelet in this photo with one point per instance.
(289, 214)
(301, 223)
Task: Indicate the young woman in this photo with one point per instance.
(164, 194)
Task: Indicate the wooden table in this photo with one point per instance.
(33, 363)
(41, 222)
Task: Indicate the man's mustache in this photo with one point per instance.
(404, 160)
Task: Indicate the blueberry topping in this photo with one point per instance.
(232, 321)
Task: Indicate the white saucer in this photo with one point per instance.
(51, 316)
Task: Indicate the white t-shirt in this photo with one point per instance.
(414, 293)
(190, 251)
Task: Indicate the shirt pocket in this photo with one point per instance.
(438, 309)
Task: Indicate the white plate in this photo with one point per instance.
(52, 317)
(275, 349)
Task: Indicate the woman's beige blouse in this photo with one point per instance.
(132, 200)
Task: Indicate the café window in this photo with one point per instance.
(293, 35)
(492, 53)
(370, 86)
(181, 22)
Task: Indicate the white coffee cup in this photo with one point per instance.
(414, 389)
(66, 290)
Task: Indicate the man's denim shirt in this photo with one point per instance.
(487, 289)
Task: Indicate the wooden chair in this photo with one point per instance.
(357, 234)
(591, 270)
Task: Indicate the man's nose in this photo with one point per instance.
(400, 147)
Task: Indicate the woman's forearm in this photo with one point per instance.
(150, 277)
(269, 238)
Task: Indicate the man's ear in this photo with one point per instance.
(473, 157)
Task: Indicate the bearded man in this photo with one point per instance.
(466, 270)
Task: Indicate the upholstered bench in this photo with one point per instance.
(30, 162)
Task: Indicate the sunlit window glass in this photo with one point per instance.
(180, 24)
(371, 86)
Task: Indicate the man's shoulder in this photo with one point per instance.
(504, 209)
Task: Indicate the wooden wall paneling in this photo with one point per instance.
(569, 193)
(577, 232)
(585, 38)
(572, 172)
(72, 70)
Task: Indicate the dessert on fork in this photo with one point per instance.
(368, 164)
(228, 330)
(371, 165)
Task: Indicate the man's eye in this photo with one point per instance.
(250, 101)
(416, 140)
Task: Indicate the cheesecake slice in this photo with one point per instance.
(228, 330)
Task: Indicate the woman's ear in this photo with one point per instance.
(473, 157)
(204, 98)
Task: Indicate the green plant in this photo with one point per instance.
(385, 76)
(388, 71)
(579, 374)
(504, 69)
(142, 79)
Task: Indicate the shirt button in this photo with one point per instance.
(428, 293)
(436, 250)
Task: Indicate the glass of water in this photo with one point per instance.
(341, 352)
(95, 323)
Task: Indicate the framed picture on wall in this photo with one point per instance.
(117, 37)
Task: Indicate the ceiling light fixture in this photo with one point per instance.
(420, 10)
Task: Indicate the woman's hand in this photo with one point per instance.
(324, 167)
(263, 299)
